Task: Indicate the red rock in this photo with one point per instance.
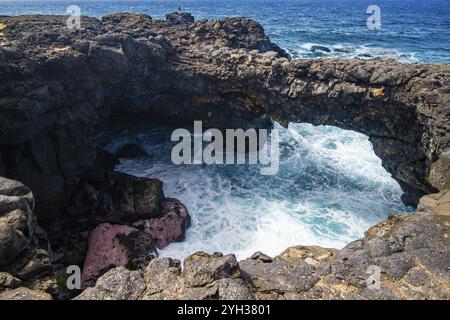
(105, 250)
(171, 227)
(124, 245)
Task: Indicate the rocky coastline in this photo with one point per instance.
(60, 87)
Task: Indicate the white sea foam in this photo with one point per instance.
(347, 50)
(330, 188)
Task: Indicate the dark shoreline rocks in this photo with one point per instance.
(130, 151)
(59, 86)
(226, 73)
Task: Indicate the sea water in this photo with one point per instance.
(329, 189)
(411, 30)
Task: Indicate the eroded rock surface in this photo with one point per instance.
(57, 86)
(24, 257)
(405, 257)
(134, 245)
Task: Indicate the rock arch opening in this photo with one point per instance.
(329, 189)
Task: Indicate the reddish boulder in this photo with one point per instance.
(171, 227)
(112, 246)
(134, 245)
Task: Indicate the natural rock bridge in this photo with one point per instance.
(57, 87)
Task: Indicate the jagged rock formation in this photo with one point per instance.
(24, 256)
(411, 251)
(134, 245)
(59, 86)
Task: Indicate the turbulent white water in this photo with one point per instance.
(348, 50)
(330, 188)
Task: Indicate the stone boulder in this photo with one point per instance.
(130, 151)
(204, 277)
(133, 245)
(16, 205)
(116, 284)
(24, 258)
(438, 203)
(177, 18)
(201, 268)
(23, 293)
(117, 198)
(111, 246)
(440, 172)
(170, 227)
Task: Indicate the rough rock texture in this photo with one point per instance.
(24, 293)
(56, 84)
(438, 203)
(440, 172)
(117, 198)
(204, 277)
(411, 251)
(130, 151)
(106, 250)
(179, 18)
(24, 259)
(170, 227)
(134, 245)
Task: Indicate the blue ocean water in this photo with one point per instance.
(411, 30)
(329, 189)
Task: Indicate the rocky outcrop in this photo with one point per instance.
(405, 257)
(24, 293)
(24, 257)
(117, 198)
(112, 246)
(59, 86)
(179, 18)
(438, 203)
(134, 245)
(130, 151)
(204, 277)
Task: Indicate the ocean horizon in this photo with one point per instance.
(411, 30)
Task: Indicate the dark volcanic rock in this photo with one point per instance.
(130, 151)
(320, 49)
(57, 87)
(179, 18)
(105, 160)
(117, 198)
(170, 227)
(24, 258)
(226, 73)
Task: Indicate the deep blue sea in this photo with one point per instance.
(411, 30)
(331, 186)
